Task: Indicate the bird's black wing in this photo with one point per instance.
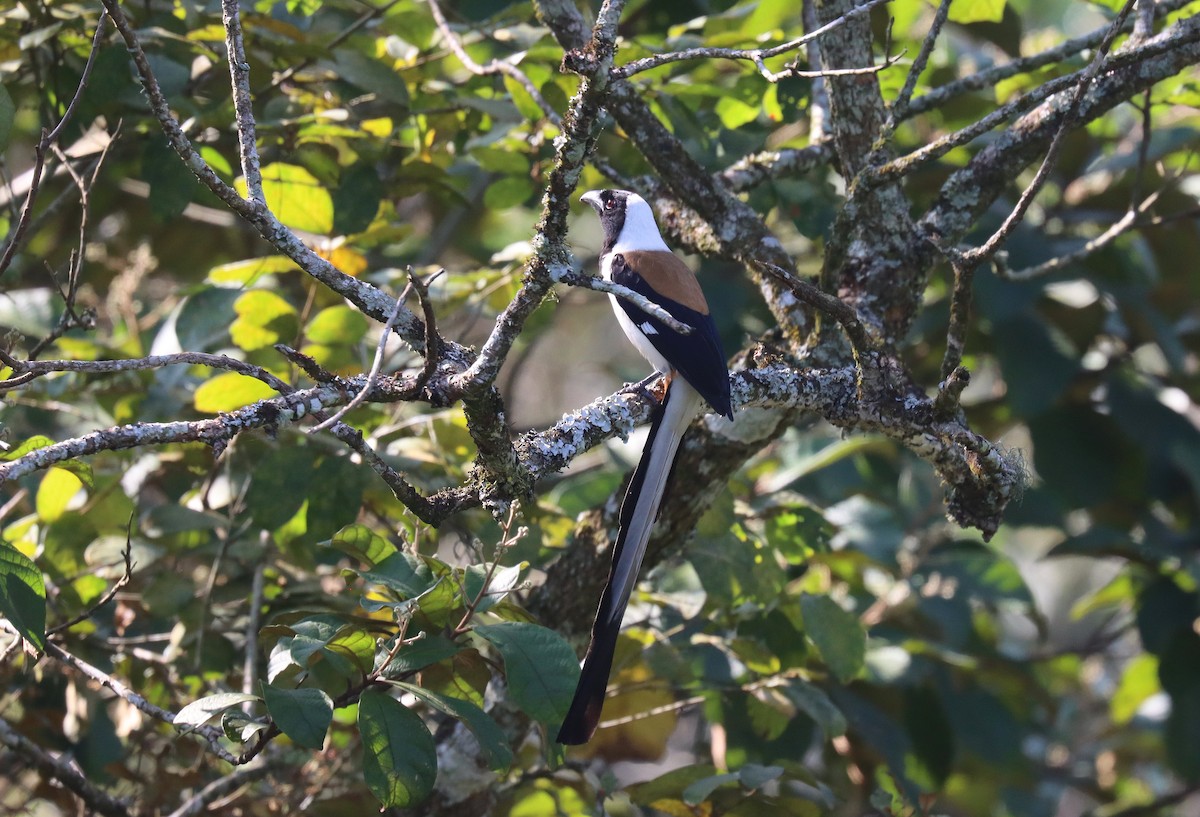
(698, 356)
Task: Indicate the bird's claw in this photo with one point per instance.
(653, 388)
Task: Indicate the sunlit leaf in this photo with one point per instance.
(56, 492)
(228, 391)
(201, 711)
(296, 197)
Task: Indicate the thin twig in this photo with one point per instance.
(199, 802)
(43, 146)
(110, 593)
(493, 67)
(755, 55)
(56, 768)
(989, 248)
(900, 104)
(989, 77)
(373, 374)
(576, 279)
(904, 165)
(836, 308)
(209, 733)
(39, 368)
(1127, 222)
(345, 34)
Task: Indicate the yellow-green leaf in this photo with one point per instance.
(295, 197)
(337, 325)
(264, 318)
(246, 272)
(229, 391)
(54, 495)
(977, 11)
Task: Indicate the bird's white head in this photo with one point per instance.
(627, 220)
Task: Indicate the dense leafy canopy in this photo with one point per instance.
(202, 602)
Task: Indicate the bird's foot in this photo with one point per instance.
(653, 388)
(643, 388)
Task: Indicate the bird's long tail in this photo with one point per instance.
(639, 509)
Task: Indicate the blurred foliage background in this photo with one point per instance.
(826, 643)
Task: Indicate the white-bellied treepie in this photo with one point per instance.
(635, 256)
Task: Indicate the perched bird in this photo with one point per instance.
(635, 256)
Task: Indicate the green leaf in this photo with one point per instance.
(362, 543)
(337, 494)
(372, 76)
(702, 789)
(1138, 682)
(264, 319)
(813, 701)
(30, 444)
(734, 113)
(507, 192)
(23, 595)
(295, 197)
(540, 666)
(246, 273)
(8, 112)
(837, 634)
(356, 200)
(336, 325)
(228, 391)
(399, 756)
(491, 737)
(303, 715)
(420, 654)
(200, 712)
(405, 574)
(171, 183)
(58, 487)
(977, 11)
(280, 485)
(503, 580)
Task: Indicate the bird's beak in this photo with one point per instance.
(592, 197)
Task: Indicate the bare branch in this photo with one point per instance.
(243, 104)
(989, 248)
(755, 55)
(209, 733)
(837, 309)
(493, 67)
(900, 104)
(818, 114)
(1127, 222)
(575, 279)
(199, 802)
(373, 374)
(43, 146)
(989, 77)
(757, 168)
(40, 368)
(110, 593)
(55, 768)
(551, 255)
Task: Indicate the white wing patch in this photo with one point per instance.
(648, 328)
